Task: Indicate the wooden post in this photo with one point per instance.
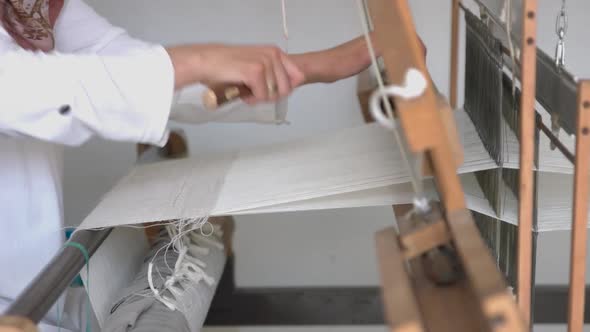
(580, 212)
(455, 14)
(527, 155)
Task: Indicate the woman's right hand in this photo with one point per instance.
(266, 70)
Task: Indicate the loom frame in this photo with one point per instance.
(412, 300)
(530, 120)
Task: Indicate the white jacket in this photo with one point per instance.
(98, 82)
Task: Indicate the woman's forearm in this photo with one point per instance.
(337, 63)
(257, 67)
(334, 64)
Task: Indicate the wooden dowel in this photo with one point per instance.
(217, 96)
(401, 308)
(454, 52)
(527, 156)
(580, 213)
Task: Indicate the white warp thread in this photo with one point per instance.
(327, 169)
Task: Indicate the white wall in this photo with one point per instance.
(310, 248)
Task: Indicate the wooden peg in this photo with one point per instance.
(218, 96)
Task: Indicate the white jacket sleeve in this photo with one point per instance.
(99, 81)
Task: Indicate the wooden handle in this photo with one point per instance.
(217, 96)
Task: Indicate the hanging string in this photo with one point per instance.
(285, 24)
(413, 163)
(188, 270)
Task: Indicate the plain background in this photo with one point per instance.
(309, 248)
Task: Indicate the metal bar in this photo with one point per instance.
(49, 285)
(527, 155)
(580, 212)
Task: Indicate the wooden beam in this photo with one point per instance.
(401, 309)
(580, 213)
(425, 237)
(482, 273)
(527, 155)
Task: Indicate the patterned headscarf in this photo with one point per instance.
(30, 22)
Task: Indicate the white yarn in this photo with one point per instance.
(285, 22)
(189, 240)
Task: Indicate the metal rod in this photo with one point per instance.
(558, 144)
(56, 277)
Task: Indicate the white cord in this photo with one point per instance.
(413, 168)
(160, 298)
(285, 24)
(188, 269)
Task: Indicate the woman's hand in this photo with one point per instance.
(266, 70)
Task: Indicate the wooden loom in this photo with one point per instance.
(474, 297)
(477, 301)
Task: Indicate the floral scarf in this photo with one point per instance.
(30, 22)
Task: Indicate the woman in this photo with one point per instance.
(66, 75)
